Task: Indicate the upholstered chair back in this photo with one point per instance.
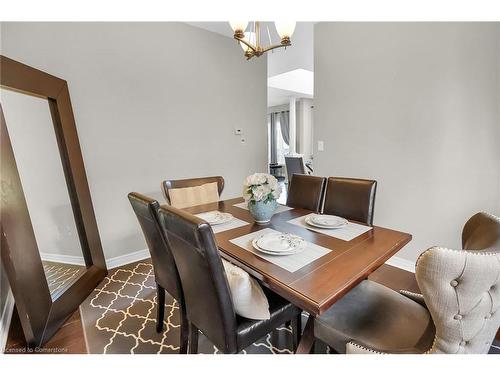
(306, 192)
(352, 198)
(166, 275)
(185, 185)
(294, 165)
(209, 305)
(461, 288)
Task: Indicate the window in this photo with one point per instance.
(282, 148)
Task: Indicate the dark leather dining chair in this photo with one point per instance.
(306, 192)
(209, 304)
(190, 182)
(166, 275)
(351, 198)
(457, 311)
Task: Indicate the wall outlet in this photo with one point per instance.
(321, 146)
(238, 131)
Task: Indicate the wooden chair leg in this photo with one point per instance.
(193, 339)
(296, 331)
(184, 334)
(160, 310)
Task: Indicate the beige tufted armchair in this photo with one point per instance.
(457, 312)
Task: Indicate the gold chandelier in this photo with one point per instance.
(250, 41)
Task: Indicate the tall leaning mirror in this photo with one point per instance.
(51, 249)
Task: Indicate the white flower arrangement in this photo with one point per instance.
(261, 187)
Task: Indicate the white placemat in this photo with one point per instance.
(292, 262)
(234, 223)
(280, 208)
(347, 233)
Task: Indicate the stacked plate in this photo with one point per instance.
(326, 221)
(216, 217)
(279, 243)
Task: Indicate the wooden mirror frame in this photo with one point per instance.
(40, 316)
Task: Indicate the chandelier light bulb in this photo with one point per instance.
(285, 28)
(238, 25)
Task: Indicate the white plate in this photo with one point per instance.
(279, 242)
(326, 221)
(279, 253)
(216, 217)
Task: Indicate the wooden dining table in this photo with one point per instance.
(319, 284)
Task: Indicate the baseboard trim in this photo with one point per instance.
(60, 258)
(6, 319)
(404, 264)
(127, 258)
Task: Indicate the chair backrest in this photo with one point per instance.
(461, 289)
(209, 305)
(191, 182)
(351, 198)
(306, 192)
(481, 232)
(146, 210)
(294, 165)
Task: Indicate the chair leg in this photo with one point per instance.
(160, 310)
(184, 334)
(332, 350)
(296, 331)
(193, 339)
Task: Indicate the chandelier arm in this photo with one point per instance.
(248, 44)
(275, 46)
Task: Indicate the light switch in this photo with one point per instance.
(321, 146)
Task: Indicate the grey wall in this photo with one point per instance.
(151, 101)
(415, 106)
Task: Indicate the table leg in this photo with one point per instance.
(307, 339)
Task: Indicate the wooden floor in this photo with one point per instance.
(68, 340)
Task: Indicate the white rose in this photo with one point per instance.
(260, 192)
(277, 192)
(246, 194)
(273, 183)
(248, 180)
(260, 178)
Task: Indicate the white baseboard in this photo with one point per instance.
(60, 258)
(111, 263)
(7, 312)
(127, 258)
(402, 263)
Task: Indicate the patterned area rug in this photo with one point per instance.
(60, 276)
(120, 317)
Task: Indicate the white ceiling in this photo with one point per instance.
(298, 83)
(290, 70)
